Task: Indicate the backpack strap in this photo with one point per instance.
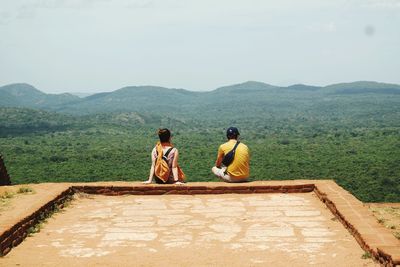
(168, 151)
(159, 149)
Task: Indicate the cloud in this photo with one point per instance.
(25, 12)
(328, 27)
(4, 17)
(382, 3)
(140, 4)
(77, 4)
(28, 9)
(50, 4)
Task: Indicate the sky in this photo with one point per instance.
(103, 45)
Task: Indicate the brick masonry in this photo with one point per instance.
(15, 234)
(352, 213)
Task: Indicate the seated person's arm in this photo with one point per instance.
(220, 157)
(151, 174)
(175, 166)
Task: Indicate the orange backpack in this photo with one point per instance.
(162, 169)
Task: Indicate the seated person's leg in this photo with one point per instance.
(220, 173)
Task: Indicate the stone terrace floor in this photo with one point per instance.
(270, 229)
(192, 230)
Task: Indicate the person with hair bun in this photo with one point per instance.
(170, 155)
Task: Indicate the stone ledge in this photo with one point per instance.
(389, 254)
(355, 216)
(15, 234)
(193, 189)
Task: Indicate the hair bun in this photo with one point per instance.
(161, 131)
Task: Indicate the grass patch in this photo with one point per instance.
(366, 255)
(388, 217)
(43, 217)
(397, 235)
(35, 229)
(381, 220)
(7, 195)
(25, 190)
(5, 198)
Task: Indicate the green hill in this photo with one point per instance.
(8, 100)
(25, 95)
(16, 121)
(253, 96)
(246, 87)
(303, 87)
(133, 98)
(363, 87)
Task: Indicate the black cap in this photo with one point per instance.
(232, 131)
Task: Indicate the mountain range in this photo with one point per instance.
(160, 99)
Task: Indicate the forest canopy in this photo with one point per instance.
(345, 133)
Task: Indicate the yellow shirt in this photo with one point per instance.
(239, 168)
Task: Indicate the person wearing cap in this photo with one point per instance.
(239, 169)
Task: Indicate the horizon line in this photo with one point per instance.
(200, 91)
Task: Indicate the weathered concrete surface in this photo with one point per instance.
(192, 230)
(352, 213)
(19, 212)
(357, 218)
(23, 205)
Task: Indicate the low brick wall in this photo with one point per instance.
(192, 190)
(371, 236)
(17, 233)
(385, 250)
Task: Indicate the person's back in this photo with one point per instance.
(164, 151)
(167, 151)
(239, 169)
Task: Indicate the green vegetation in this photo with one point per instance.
(5, 199)
(44, 216)
(301, 132)
(35, 229)
(366, 255)
(388, 217)
(25, 190)
(397, 235)
(7, 195)
(25, 95)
